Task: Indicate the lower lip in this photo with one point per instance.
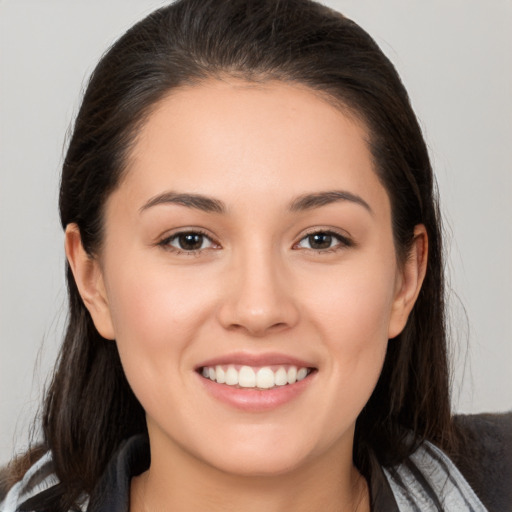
(257, 400)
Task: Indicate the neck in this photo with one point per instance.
(325, 483)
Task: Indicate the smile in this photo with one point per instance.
(266, 377)
(256, 383)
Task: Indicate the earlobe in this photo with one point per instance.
(409, 282)
(89, 280)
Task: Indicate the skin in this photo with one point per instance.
(257, 285)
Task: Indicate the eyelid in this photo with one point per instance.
(345, 240)
(164, 240)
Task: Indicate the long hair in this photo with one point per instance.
(89, 407)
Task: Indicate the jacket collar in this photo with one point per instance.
(113, 491)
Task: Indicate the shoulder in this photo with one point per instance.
(429, 481)
(477, 477)
(39, 479)
(41, 491)
(485, 457)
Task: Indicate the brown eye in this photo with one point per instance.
(188, 241)
(320, 241)
(324, 241)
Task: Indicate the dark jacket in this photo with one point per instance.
(486, 458)
(485, 461)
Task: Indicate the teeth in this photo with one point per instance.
(301, 374)
(291, 376)
(281, 377)
(232, 376)
(221, 374)
(265, 378)
(248, 377)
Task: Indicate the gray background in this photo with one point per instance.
(455, 57)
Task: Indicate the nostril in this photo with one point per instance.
(256, 308)
(257, 329)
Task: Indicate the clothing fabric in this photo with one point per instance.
(428, 481)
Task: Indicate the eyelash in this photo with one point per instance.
(166, 242)
(343, 242)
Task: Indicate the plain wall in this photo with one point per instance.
(455, 58)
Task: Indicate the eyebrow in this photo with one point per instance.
(311, 201)
(197, 201)
(211, 205)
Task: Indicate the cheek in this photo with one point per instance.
(347, 314)
(353, 308)
(356, 336)
(352, 314)
(156, 304)
(156, 313)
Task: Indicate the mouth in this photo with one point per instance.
(256, 383)
(255, 377)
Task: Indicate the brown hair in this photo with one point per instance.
(89, 406)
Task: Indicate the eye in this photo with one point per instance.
(188, 241)
(324, 241)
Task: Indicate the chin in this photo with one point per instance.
(263, 452)
(249, 464)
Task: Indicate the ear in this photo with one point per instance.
(89, 280)
(409, 281)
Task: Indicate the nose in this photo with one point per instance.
(257, 295)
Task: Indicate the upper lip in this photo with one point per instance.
(257, 360)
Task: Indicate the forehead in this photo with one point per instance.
(228, 136)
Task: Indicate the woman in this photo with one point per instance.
(255, 281)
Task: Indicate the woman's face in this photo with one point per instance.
(250, 241)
